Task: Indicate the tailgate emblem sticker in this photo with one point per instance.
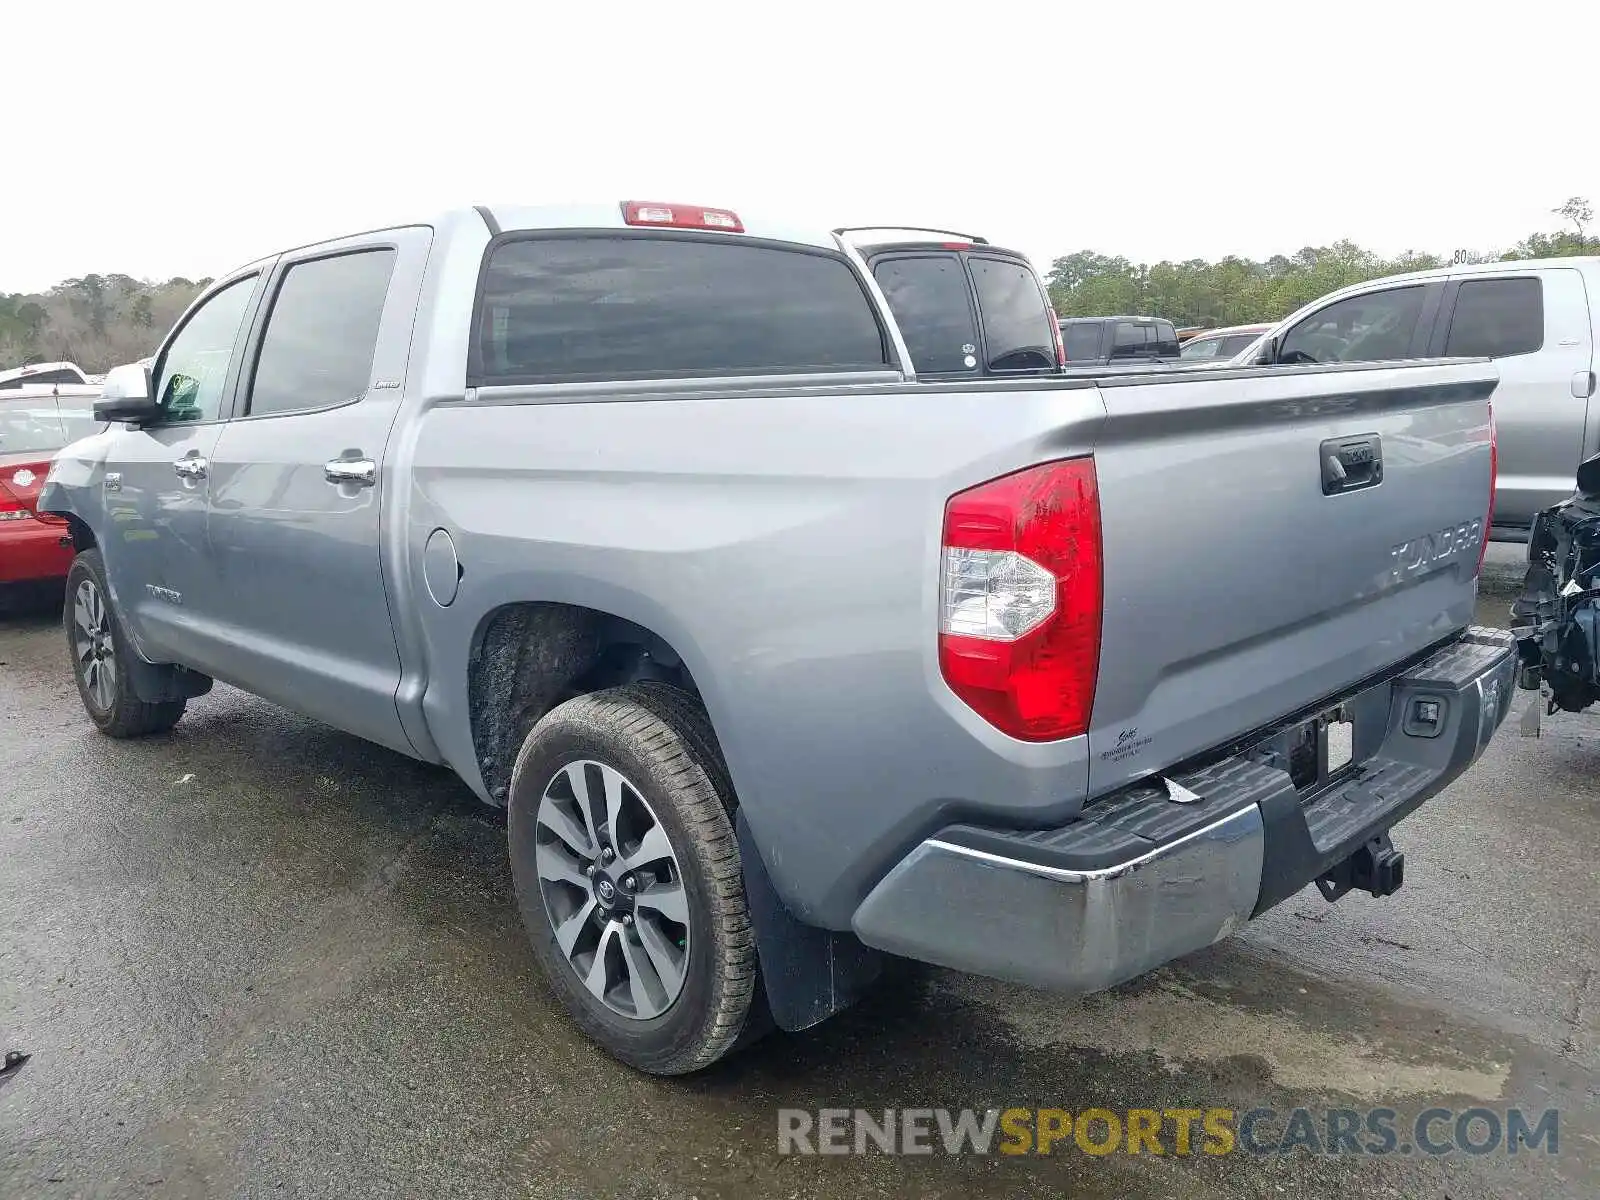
(1179, 794)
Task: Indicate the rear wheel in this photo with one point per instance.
(102, 658)
(628, 877)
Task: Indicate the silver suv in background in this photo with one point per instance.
(1536, 318)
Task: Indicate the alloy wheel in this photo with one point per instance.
(92, 644)
(613, 889)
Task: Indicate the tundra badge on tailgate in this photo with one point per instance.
(1419, 554)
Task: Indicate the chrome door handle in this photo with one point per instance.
(193, 467)
(361, 471)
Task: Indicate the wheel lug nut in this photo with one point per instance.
(590, 869)
(607, 855)
(627, 883)
(627, 918)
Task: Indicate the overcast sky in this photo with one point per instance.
(172, 138)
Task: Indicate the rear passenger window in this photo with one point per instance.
(322, 333)
(1016, 326)
(1137, 339)
(620, 307)
(1082, 339)
(1495, 318)
(932, 304)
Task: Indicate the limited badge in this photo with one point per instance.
(969, 348)
(24, 478)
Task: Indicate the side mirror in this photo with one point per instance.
(1589, 476)
(1268, 354)
(125, 396)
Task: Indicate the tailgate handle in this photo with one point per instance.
(1351, 463)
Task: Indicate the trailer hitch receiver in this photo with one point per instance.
(1377, 868)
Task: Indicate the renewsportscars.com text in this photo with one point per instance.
(1170, 1131)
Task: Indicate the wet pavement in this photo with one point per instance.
(260, 958)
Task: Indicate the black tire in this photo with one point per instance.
(659, 739)
(113, 706)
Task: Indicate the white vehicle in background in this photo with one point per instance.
(1220, 345)
(1538, 319)
(43, 375)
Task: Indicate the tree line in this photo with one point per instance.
(98, 321)
(101, 321)
(1241, 291)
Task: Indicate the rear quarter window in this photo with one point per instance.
(614, 306)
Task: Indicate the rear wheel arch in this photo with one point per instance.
(528, 657)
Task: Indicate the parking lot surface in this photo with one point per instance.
(257, 957)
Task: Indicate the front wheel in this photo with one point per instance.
(627, 873)
(102, 658)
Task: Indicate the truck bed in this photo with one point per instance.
(785, 541)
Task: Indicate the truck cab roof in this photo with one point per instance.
(966, 307)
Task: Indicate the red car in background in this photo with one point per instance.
(35, 422)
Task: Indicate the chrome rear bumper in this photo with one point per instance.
(1138, 880)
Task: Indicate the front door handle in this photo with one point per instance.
(362, 471)
(192, 467)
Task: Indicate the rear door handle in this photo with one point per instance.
(361, 471)
(192, 467)
(1583, 384)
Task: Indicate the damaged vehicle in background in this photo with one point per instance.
(1556, 619)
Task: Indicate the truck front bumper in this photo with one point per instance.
(1138, 879)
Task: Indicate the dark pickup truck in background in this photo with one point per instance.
(1088, 341)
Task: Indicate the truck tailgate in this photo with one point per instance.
(1247, 576)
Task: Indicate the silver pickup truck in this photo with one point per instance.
(785, 664)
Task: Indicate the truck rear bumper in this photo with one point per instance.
(1139, 879)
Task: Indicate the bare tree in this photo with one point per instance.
(1578, 211)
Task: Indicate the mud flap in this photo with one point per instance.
(808, 973)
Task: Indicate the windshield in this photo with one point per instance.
(44, 424)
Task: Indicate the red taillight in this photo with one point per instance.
(1494, 482)
(19, 492)
(1055, 331)
(1019, 633)
(680, 216)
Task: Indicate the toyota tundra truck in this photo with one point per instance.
(785, 664)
